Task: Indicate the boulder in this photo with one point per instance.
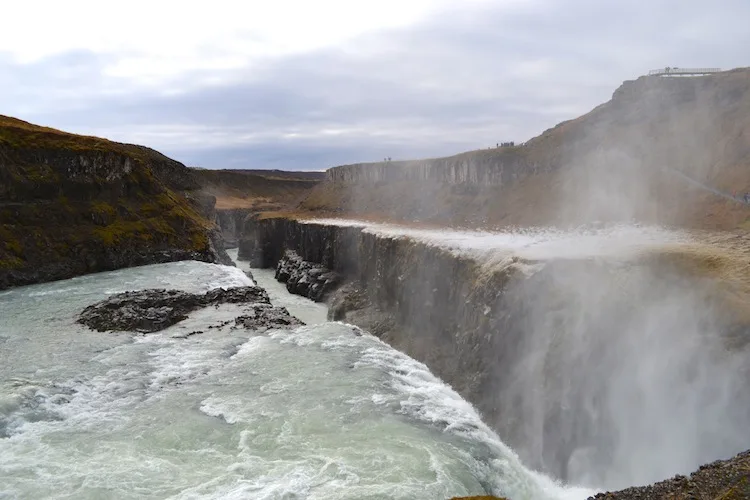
(308, 279)
(152, 310)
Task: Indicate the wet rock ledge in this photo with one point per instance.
(308, 279)
(148, 311)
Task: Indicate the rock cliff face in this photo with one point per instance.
(71, 205)
(230, 222)
(237, 193)
(546, 350)
(627, 159)
(485, 168)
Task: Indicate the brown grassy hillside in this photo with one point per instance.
(256, 189)
(72, 204)
(622, 161)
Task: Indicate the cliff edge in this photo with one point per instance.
(72, 204)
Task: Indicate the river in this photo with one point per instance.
(321, 412)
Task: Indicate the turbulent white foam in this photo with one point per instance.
(320, 412)
(43, 293)
(232, 277)
(415, 392)
(423, 396)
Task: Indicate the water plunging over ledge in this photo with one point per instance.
(608, 356)
(320, 412)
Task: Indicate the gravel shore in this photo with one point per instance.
(720, 480)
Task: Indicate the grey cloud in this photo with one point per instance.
(461, 80)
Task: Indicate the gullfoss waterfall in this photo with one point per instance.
(322, 411)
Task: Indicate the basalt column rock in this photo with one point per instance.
(480, 326)
(304, 278)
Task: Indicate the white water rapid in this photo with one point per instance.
(322, 412)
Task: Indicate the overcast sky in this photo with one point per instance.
(303, 84)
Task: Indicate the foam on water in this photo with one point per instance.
(412, 390)
(325, 411)
(306, 310)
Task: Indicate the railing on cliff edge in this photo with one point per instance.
(683, 71)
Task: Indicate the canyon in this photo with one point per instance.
(585, 290)
(501, 316)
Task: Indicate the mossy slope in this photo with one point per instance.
(72, 204)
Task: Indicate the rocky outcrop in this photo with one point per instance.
(148, 311)
(71, 205)
(722, 479)
(486, 168)
(265, 239)
(304, 278)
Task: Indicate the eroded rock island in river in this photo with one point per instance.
(153, 310)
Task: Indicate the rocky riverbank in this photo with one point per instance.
(149, 311)
(719, 480)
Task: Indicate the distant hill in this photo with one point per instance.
(287, 174)
(72, 204)
(256, 189)
(645, 155)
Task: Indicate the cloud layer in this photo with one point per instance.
(334, 85)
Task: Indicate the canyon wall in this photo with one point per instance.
(230, 221)
(642, 155)
(487, 168)
(582, 365)
(71, 205)
(691, 124)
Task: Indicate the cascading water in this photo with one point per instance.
(324, 411)
(622, 376)
(619, 376)
(613, 367)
